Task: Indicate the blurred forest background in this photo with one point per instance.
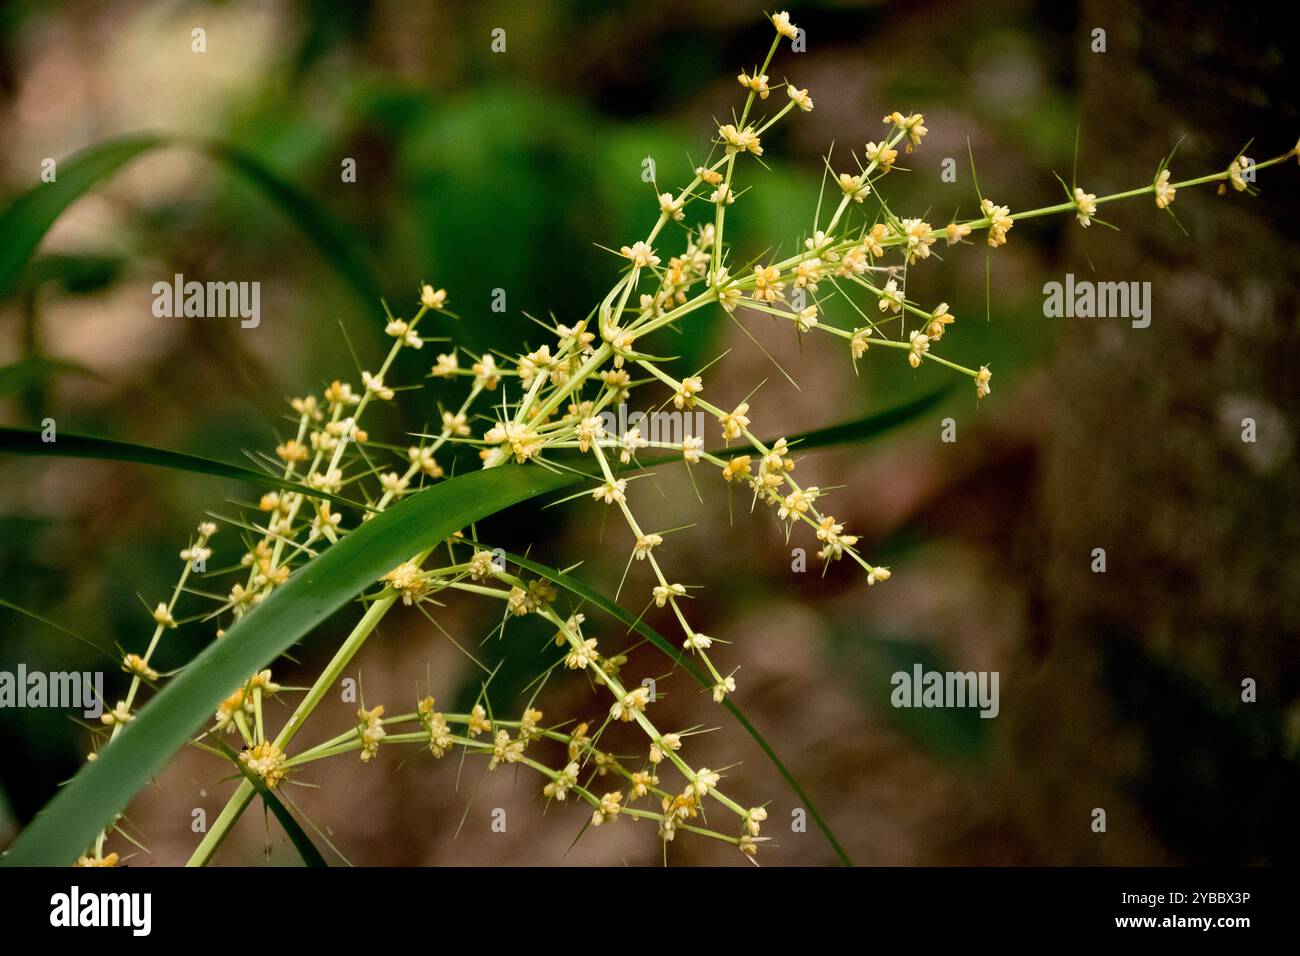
(477, 171)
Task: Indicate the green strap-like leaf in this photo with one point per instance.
(60, 628)
(101, 789)
(301, 842)
(869, 426)
(574, 586)
(25, 223)
(27, 441)
(335, 243)
(33, 370)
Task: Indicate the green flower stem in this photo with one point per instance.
(244, 793)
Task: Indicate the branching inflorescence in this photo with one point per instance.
(552, 404)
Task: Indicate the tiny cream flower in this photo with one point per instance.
(756, 83)
(720, 691)
(767, 284)
(877, 574)
(829, 531)
(340, 393)
(854, 186)
(806, 320)
(478, 722)
(505, 750)
(754, 819)
(486, 373)
(698, 642)
(858, 344)
(737, 468)
(590, 430)
(292, 451)
(564, 781)
(920, 237)
(783, 25)
(710, 176)
(645, 543)
(393, 484)
(741, 140)
(872, 241)
(440, 739)
(267, 761)
(1085, 205)
(523, 442)
(1242, 167)
(163, 616)
(630, 443)
(807, 273)
(939, 318)
(672, 207)
(891, 300)
(881, 154)
(722, 196)
(120, 714)
(797, 503)
(481, 566)
(455, 423)
(913, 125)
(818, 240)
(423, 459)
(431, 298)
(326, 523)
(686, 392)
(262, 680)
(956, 232)
(665, 744)
(641, 254)
(582, 656)
(401, 330)
(375, 385)
(1000, 222)
(663, 592)
(633, 702)
(371, 730)
(982, 382)
(237, 702)
(735, 422)
(918, 345)
(196, 554)
(705, 780)
(611, 491)
(307, 407)
(692, 448)
(1164, 191)
(330, 481)
(642, 781)
(137, 665)
(610, 805)
(857, 260)
(800, 97)
(408, 581)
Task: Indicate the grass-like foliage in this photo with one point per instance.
(346, 514)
